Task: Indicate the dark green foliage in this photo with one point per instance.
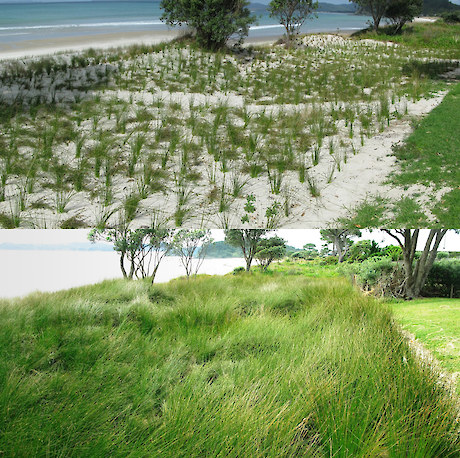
(443, 279)
(452, 17)
(401, 11)
(362, 250)
(438, 6)
(213, 21)
(375, 8)
(246, 239)
(269, 250)
(393, 251)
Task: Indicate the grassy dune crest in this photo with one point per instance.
(244, 365)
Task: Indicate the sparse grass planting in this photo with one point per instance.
(172, 122)
(242, 365)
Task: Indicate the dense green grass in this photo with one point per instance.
(430, 155)
(429, 158)
(246, 365)
(439, 36)
(436, 323)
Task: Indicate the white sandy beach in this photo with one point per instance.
(74, 44)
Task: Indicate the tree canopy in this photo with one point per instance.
(291, 14)
(401, 11)
(376, 8)
(247, 240)
(340, 239)
(212, 21)
(269, 250)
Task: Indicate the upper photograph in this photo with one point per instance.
(230, 114)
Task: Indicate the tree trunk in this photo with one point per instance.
(416, 274)
(248, 263)
(122, 265)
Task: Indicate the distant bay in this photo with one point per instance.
(23, 272)
(40, 21)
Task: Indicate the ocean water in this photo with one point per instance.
(23, 272)
(35, 21)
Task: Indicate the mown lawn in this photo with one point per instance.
(436, 324)
(242, 365)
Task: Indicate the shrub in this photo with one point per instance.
(379, 275)
(452, 17)
(362, 250)
(238, 270)
(443, 279)
(392, 251)
(330, 261)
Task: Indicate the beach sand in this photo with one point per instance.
(72, 44)
(362, 174)
(30, 48)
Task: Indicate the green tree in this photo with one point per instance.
(291, 14)
(362, 250)
(416, 271)
(269, 250)
(401, 11)
(213, 21)
(247, 240)
(191, 247)
(340, 239)
(310, 250)
(376, 8)
(143, 249)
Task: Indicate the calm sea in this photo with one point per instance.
(34, 21)
(23, 272)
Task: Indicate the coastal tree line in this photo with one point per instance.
(213, 22)
(141, 251)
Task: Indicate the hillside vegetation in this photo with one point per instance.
(242, 365)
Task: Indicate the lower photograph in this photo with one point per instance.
(238, 342)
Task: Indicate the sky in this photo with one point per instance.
(294, 237)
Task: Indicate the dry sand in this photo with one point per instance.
(362, 175)
(73, 44)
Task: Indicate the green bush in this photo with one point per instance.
(238, 270)
(330, 261)
(443, 279)
(381, 275)
(392, 251)
(453, 17)
(364, 249)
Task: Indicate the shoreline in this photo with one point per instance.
(68, 45)
(87, 268)
(46, 47)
